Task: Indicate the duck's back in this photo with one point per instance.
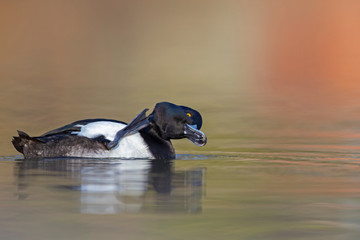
(85, 138)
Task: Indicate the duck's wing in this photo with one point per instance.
(138, 123)
(75, 127)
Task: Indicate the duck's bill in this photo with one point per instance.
(196, 136)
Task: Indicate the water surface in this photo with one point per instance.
(251, 195)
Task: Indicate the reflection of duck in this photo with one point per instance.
(114, 186)
(144, 137)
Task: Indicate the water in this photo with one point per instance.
(249, 195)
(277, 86)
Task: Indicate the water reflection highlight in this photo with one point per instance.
(115, 186)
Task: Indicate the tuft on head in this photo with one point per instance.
(170, 119)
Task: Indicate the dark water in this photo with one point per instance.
(277, 84)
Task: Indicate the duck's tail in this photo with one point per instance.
(20, 141)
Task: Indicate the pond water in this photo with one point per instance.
(256, 179)
(277, 85)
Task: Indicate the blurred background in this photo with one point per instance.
(276, 81)
(260, 72)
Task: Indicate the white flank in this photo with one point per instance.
(106, 128)
(132, 146)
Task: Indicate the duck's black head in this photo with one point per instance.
(174, 122)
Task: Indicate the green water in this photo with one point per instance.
(271, 170)
(257, 178)
(275, 167)
(277, 195)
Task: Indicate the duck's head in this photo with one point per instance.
(169, 121)
(174, 122)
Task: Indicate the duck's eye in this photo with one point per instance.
(189, 114)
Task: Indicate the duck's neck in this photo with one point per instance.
(160, 148)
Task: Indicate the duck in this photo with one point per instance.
(144, 137)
